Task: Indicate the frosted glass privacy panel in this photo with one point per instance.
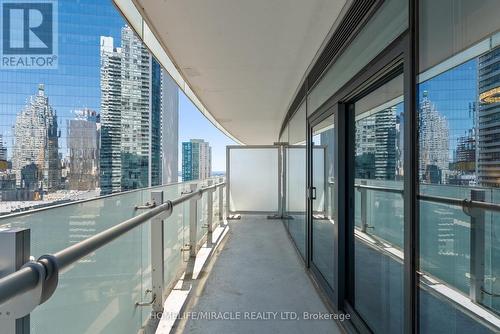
(253, 179)
(296, 176)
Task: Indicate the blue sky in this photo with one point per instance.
(192, 124)
(75, 84)
(452, 92)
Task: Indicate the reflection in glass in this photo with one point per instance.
(459, 148)
(378, 245)
(96, 124)
(295, 195)
(296, 154)
(323, 207)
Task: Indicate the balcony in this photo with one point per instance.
(357, 142)
(212, 256)
(160, 263)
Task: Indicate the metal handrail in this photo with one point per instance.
(55, 205)
(465, 203)
(377, 188)
(27, 278)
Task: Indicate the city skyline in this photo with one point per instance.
(75, 84)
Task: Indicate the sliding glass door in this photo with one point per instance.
(322, 195)
(377, 234)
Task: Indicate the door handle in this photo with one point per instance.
(313, 193)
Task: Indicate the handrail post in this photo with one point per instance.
(364, 216)
(157, 255)
(221, 203)
(193, 222)
(14, 253)
(476, 247)
(210, 213)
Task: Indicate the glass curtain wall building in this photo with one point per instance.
(196, 160)
(104, 120)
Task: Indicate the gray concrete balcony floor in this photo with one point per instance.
(257, 269)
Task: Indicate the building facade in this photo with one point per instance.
(434, 142)
(378, 146)
(3, 150)
(488, 165)
(84, 145)
(196, 160)
(139, 117)
(110, 154)
(136, 95)
(36, 142)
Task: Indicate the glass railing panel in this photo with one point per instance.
(215, 207)
(491, 283)
(100, 290)
(457, 249)
(357, 208)
(224, 201)
(385, 211)
(56, 228)
(201, 228)
(98, 293)
(438, 315)
(445, 251)
(176, 236)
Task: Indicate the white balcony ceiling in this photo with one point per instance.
(244, 59)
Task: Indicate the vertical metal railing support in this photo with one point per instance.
(283, 178)
(14, 253)
(221, 202)
(210, 212)
(193, 222)
(364, 199)
(157, 255)
(476, 246)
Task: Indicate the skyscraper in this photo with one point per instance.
(136, 92)
(110, 155)
(36, 142)
(3, 150)
(385, 144)
(155, 166)
(488, 163)
(139, 117)
(83, 144)
(433, 142)
(377, 145)
(365, 147)
(463, 168)
(196, 160)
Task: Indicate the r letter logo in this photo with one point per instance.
(29, 34)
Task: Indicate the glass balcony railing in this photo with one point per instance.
(110, 289)
(460, 252)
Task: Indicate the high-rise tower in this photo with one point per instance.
(139, 117)
(110, 154)
(434, 142)
(196, 160)
(36, 142)
(488, 163)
